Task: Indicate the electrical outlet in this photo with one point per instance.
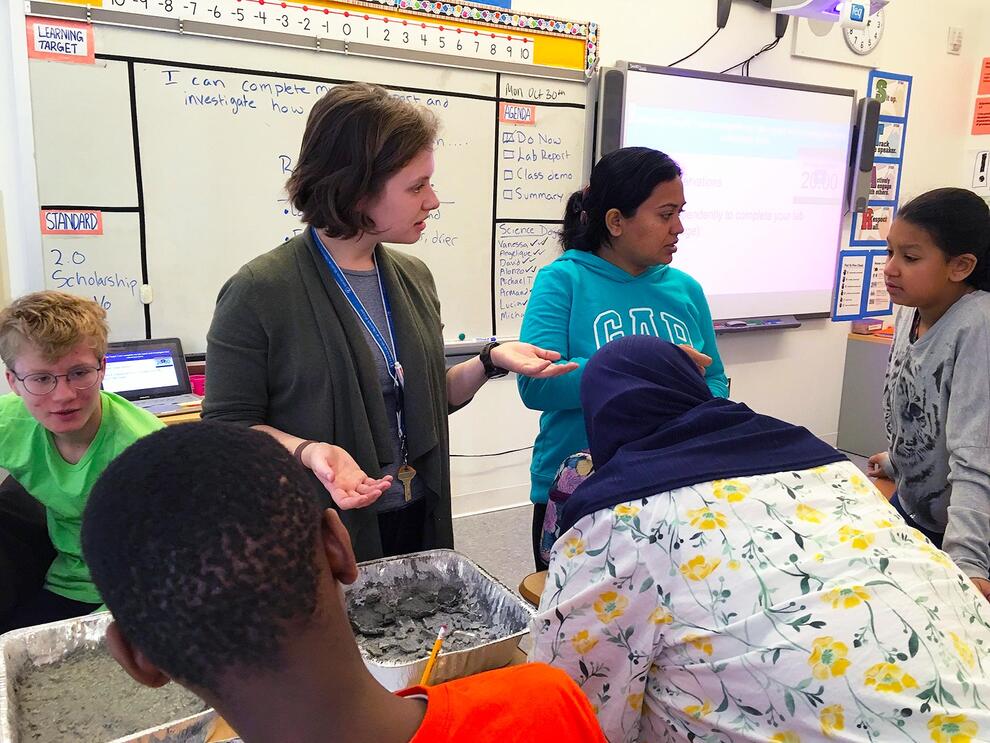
(955, 40)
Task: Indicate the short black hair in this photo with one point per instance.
(958, 222)
(201, 538)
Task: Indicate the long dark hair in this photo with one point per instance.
(621, 180)
(958, 221)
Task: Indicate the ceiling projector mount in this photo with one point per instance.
(854, 13)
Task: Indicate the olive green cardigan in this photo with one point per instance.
(286, 349)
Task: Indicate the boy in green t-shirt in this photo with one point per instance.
(58, 432)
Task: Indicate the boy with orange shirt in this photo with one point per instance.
(209, 546)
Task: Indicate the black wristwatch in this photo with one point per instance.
(491, 371)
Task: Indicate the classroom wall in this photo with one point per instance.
(20, 243)
(793, 374)
(975, 144)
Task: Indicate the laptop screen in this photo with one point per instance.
(138, 370)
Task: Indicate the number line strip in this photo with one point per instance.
(386, 20)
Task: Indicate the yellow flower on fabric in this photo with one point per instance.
(635, 702)
(625, 512)
(889, 677)
(937, 556)
(809, 514)
(697, 711)
(964, 650)
(858, 539)
(732, 491)
(583, 642)
(610, 605)
(786, 737)
(952, 729)
(859, 484)
(707, 519)
(732, 564)
(700, 643)
(832, 719)
(884, 524)
(573, 547)
(820, 470)
(819, 557)
(698, 568)
(828, 658)
(660, 615)
(846, 597)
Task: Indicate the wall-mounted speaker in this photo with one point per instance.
(610, 111)
(864, 146)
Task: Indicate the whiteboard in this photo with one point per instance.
(189, 140)
(765, 165)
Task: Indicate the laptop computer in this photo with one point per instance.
(151, 374)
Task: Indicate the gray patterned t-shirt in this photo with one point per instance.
(936, 401)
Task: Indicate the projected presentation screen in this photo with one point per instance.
(764, 179)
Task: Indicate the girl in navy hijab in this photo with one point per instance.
(726, 575)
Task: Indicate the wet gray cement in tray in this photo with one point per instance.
(399, 623)
(86, 696)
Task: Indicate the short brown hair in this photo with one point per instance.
(53, 322)
(357, 136)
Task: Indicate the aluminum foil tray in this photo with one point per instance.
(48, 643)
(507, 613)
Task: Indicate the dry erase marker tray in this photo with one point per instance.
(485, 618)
(756, 323)
(48, 644)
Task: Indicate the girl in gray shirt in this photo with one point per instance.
(937, 393)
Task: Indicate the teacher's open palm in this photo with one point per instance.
(529, 360)
(347, 483)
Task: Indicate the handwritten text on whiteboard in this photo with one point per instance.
(71, 222)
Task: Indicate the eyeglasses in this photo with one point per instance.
(80, 378)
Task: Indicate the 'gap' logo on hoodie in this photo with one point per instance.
(610, 325)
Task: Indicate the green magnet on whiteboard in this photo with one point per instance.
(461, 336)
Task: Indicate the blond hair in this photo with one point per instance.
(53, 322)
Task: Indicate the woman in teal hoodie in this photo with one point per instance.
(619, 235)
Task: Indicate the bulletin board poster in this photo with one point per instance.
(981, 110)
(859, 288)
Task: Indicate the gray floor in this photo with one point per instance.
(499, 541)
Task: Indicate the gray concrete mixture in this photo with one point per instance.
(398, 624)
(87, 697)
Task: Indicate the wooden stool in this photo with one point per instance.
(886, 487)
(531, 587)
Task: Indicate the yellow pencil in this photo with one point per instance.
(432, 661)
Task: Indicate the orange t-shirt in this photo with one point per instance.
(530, 702)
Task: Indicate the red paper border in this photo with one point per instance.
(46, 231)
(33, 22)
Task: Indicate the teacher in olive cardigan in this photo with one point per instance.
(332, 343)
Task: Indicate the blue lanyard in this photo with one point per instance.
(392, 364)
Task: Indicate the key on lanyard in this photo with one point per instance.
(406, 474)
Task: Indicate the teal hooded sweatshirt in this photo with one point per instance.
(579, 303)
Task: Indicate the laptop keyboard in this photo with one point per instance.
(162, 404)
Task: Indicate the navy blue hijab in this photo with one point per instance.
(654, 426)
